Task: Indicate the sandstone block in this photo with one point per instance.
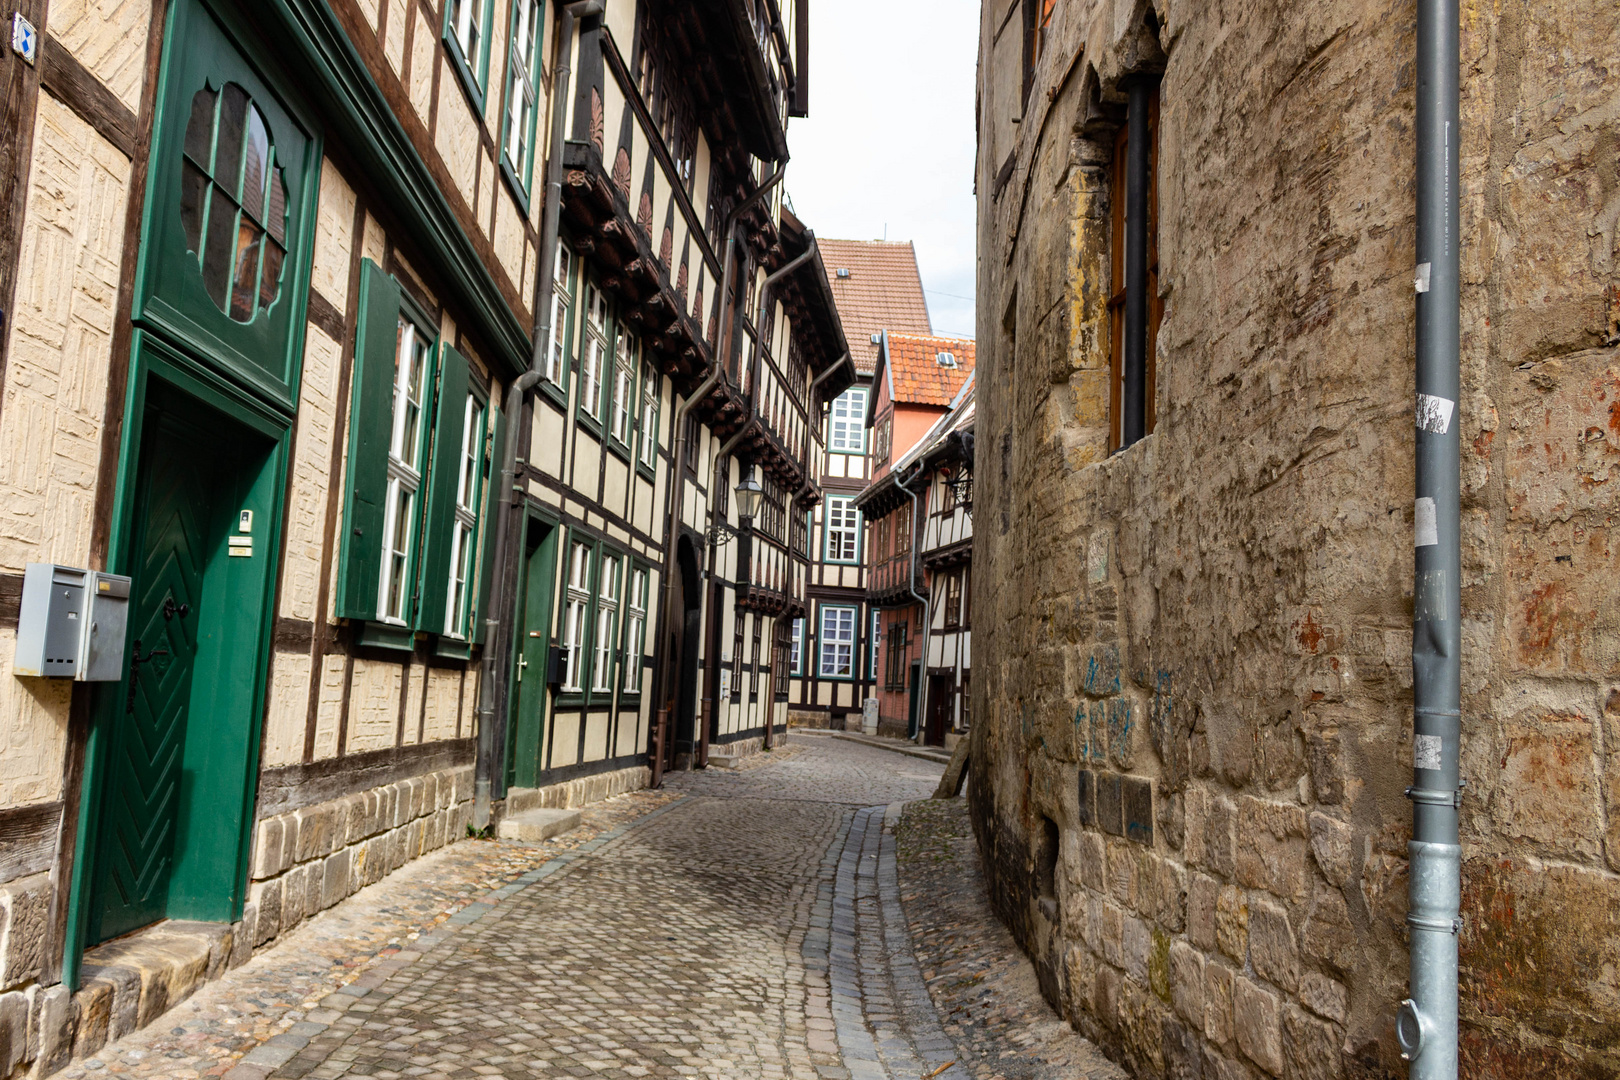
(1310, 1047)
(1217, 1067)
(1257, 1019)
(243, 937)
(14, 1009)
(1220, 842)
(1271, 944)
(1324, 997)
(430, 792)
(315, 832)
(1087, 806)
(55, 1024)
(374, 809)
(1109, 989)
(1122, 875)
(1271, 847)
(1329, 934)
(1183, 1052)
(335, 883)
(1110, 803)
(266, 898)
(414, 786)
(293, 889)
(1187, 982)
(123, 996)
(352, 810)
(1138, 949)
(25, 907)
(1171, 895)
(1331, 848)
(1093, 860)
(1232, 924)
(1218, 988)
(289, 840)
(1202, 893)
(92, 1006)
(1113, 935)
(267, 849)
(1326, 765)
(1137, 802)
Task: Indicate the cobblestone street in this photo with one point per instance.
(739, 923)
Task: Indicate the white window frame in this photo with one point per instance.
(797, 655)
(413, 354)
(635, 630)
(607, 615)
(596, 352)
(872, 646)
(649, 413)
(843, 528)
(464, 530)
(837, 641)
(464, 16)
(562, 308)
(577, 610)
(625, 347)
(846, 422)
(521, 94)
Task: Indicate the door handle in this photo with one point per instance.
(135, 663)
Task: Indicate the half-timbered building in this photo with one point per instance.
(414, 402)
(876, 286)
(917, 381)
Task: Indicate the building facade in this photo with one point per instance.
(924, 501)
(1195, 527)
(917, 381)
(399, 363)
(876, 286)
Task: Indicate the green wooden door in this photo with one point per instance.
(172, 547)
(534, 646)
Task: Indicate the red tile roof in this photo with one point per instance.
(916, 377)
(882, 292)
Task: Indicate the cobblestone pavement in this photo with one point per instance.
(983, 986)
(740, 923)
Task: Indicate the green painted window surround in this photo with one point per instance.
(466, 30)
(521, 114)
(417, 480)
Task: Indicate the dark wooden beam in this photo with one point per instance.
(71, 83)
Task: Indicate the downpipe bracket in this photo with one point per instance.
(1413, 1030)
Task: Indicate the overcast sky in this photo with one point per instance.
(888, 144)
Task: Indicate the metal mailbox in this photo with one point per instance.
(71, 624)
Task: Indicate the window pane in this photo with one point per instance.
(219, 247)
(254, 168)
(193, 197)
(249, 240)
(200, 129)
(233, 108)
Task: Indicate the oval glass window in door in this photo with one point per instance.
(233, 202)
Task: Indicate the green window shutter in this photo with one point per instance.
(444, 475)
(486, 520)
(371, 422)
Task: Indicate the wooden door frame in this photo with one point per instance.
(153, 359)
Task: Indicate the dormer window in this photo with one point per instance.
(945, 359)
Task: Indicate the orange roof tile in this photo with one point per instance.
(916, 377)
(882, 292)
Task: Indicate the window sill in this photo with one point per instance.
(464, 72)
(591, 425)
(646, 472)
(556, 393)
(451, 649)
(375, 635)
(620, 450)
(519, 192)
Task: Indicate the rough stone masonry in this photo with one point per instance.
(1193, 703)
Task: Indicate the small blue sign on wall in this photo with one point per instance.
(24, 38)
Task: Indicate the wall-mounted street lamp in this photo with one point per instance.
(749, 494)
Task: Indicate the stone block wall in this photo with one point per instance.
(1193, 682)
(307, 860)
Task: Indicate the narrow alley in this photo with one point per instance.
(740, 923)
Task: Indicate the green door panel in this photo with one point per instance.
(234, 177)
(444, 478)
(533, 648)
(143, 803)
(371, 422)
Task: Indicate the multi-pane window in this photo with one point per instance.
(880, 441)
(596, 351)
(518, 145)
(896, 677)
(846, 426)
(953, 599)
(649, 414)
(635, 634)
(464, 533)
(464, 19)
(843, 530)
(562, 303)
(872, 645)
(837, 642)
(624, 385)
(798, 646)
(607, 613)
(404, 473)
(576, 614)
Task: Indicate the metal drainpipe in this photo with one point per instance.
(493, 679)
(702, 757)
(1426, 1025)
(677, 486)
(926, 601)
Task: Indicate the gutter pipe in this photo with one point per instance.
(926, 601)
(1426, 1024)
(677, 487)
(493, 683)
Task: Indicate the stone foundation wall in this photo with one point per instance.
(307, 860)
(578, 792)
